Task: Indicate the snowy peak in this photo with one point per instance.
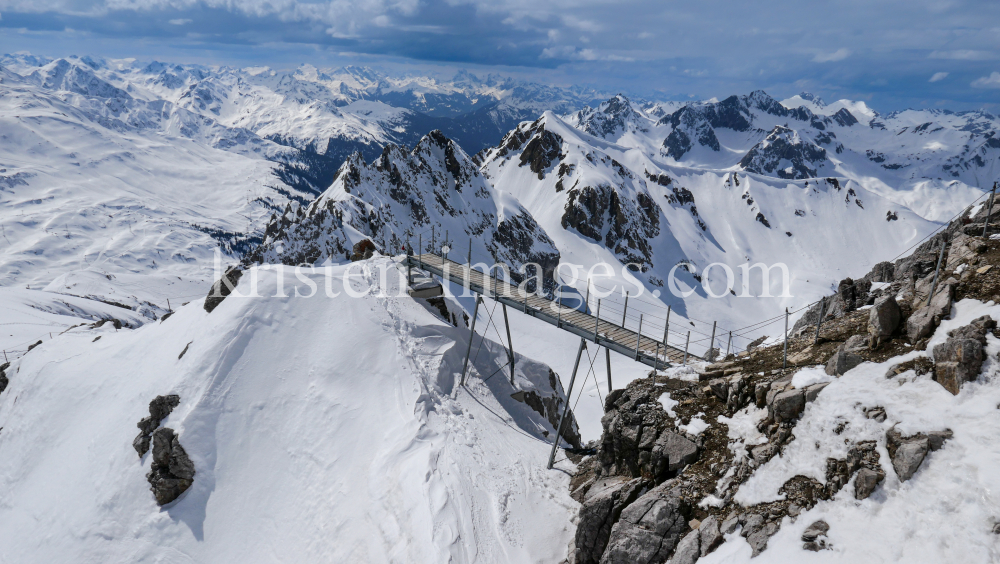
(611, 118)
(783, 153)
(433, 195)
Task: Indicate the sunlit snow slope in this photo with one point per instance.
(321, 430)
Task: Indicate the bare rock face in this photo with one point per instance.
(907, 453)
(3, 376)
(883, 319)
(842, 361)
(172, 471)
(960, 358)
(222, 288)
(650, 528)
(599, 512)
(159, 409)
(866, 482)
(923, 321)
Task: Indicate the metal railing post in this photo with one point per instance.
(989, 210)
(711, 344)
(822, 310)
(472, 335)
(625, 310)
(638, 337)
(555, 441)
(784, 362)
(686, 343)
(510, 343)
(597, 319)
(944, 242)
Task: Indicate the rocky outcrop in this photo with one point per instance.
(842, 361)
(815, 536)
(883, 319)
(405, 198)
(960, 358)
(637, 440)
(223, 287)
(600, 510)
(649, 528)
(172, 471)
(786, 154)
(159, 409)
(3, 376)
(907, 453)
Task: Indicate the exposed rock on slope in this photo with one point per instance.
(172, 471)
(397, 200)
(159, 409)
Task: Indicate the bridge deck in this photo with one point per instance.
(650, 352)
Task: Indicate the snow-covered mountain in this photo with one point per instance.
(352, 437)
(905, 156)
(603, 201)
(433, 195)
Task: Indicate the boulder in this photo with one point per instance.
(688, 550)
(672, 452)
(841, 362)
(3, 376)
(729, 525)
(172, 471)
(788, 405)
(960, 358)
(816, 530)
(600, 510)
(758, 539)
(650, 528)
(906, 453)
(709, 535)
(857, 344)
(866, 481)
(222, 288)
(159, 409)
(812, 392)
(884, 318)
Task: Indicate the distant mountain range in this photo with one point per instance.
(146, 168)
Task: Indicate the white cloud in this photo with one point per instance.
(645, 35)
(838, 55)
(938, 76)
(965, 55)
(179, 22)
(574, 54)
(991, 81)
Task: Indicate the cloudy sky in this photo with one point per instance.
(891, 53)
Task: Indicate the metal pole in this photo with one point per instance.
(432, 239)
(472, 334)
(625, 310)
(597, 319)
(420, 250)
(510, 344)
(559, 309)
(729, 343)
(5, 356)
(555, 441)
(638, 337)
(169, 309)
(711, 344)
(989, 211)
(469, 259)
(822, 310)
(587, 299)
(784, 362)
(607, 359)
(445, 242)
(666, 326)
(686, 343)
(934, 284)
(525, 308)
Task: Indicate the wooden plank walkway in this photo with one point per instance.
(649, 351)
